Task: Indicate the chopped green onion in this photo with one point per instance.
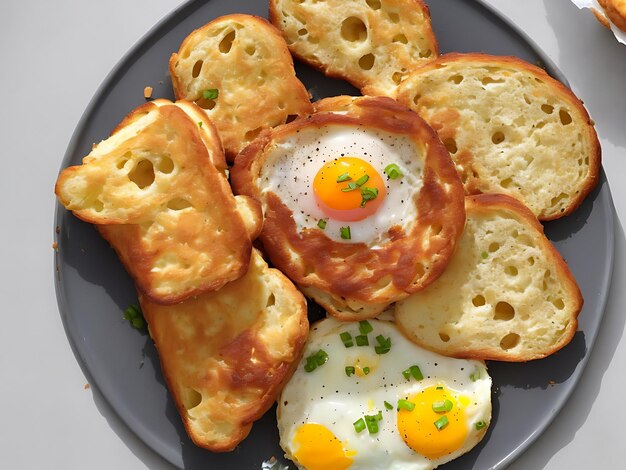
(321, 357)
(379, 416)
(381, 349)
(474, 376)
(362, 340)
(413, 371)
(359, 425)
(321, 223)
(311, 364)
(480, 425)
(365, 327)
(351, 187)
(368, 194)
(441, 423)
(345, 233)
(442, 406)
(372, 423)
(405, 405)
(199, 123)
(439, 387)
(134, 315)
(350, 370)
(388, 405)
(366, 370)
(362, 180)
(210, 94)
(344, 177)
(315, 360)
(384, 345)
(347, 339)
(393, 171)
(484, 255)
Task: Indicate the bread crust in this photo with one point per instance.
(470, 138)
(543, 318)
(351, 280)
(226, 355)
(247, 60)
(398, 35)
(616, 11)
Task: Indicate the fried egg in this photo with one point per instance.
(365, 397)
(326, 175)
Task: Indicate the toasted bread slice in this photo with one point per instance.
(373, 44)
(158, 191)
(246, 60)
(616, 12)
(510, 128)
(225, 355)
(506, 295)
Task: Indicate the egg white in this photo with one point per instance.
(291, 166)
(329, 397)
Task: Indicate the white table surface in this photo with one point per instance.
(54, 56)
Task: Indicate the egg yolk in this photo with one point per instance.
(348, 189)
(419, 431)
(319, 449)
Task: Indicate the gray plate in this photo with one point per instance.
(93, 289)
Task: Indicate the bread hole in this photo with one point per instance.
(558, 303)
(143, 174)
(165, 165)
(271, 300)
(450, 144)
(419, 272)
(205, 104)
(436, 229)
(504, 311)
(515, 233)
(373, 4)
(97, 205)
(505, 183)
(250, 49)
(557, 200)
(497, 137)
(251, 135)
(526, 99)
(367, 61)
(383, 282)
(425, 54)
(416, 98)
(456, 79)
(565, 117)
(531, 261)
(488, 80)
(546, 108)
(290, 118)
(478, 301)
(397, 77)
(120, 163)
(227, 42)
(511, 270)
(191, 398)
(401, 38)
(178, 204)
(394, 17)
(509, 341)
(303, 32)
(493, 247)
(196, 68)
(444, 337)
(580, 162)
(314, 40)
(353, 29)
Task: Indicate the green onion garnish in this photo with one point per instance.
(439, 387)
(393, 171)
(344, 177)
(442, 406)
(414, 372)
(359, 425)
(311, 364)
(350, 370)
(346, 338)
(351, 187)
(365, 327)
(199, 123)
(480, 425)
(362, 340)
(321, 223)
(474, 376)
(366, 370)
(315, 360)
(388, 405)
(371, 421)
(210, 94)
(362, 180)
(367, 194)
(384, 345)
(134, 315)
(345, 233)
(405, 405)
(355, 185)
(441, 423)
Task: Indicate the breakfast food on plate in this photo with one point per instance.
(362, 205)
(225, 355)
(158, 191)
(506, 295)
(616, 12)
(365, 397)
(510, 128)
(239, 70)
(373, 44)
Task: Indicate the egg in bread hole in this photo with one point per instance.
(361, 200)
(364, 396)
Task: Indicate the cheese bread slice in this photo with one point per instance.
(225, 355)
(158, 191)
(239, 70)
(510, 128)
(373, 44)
(506, 294)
